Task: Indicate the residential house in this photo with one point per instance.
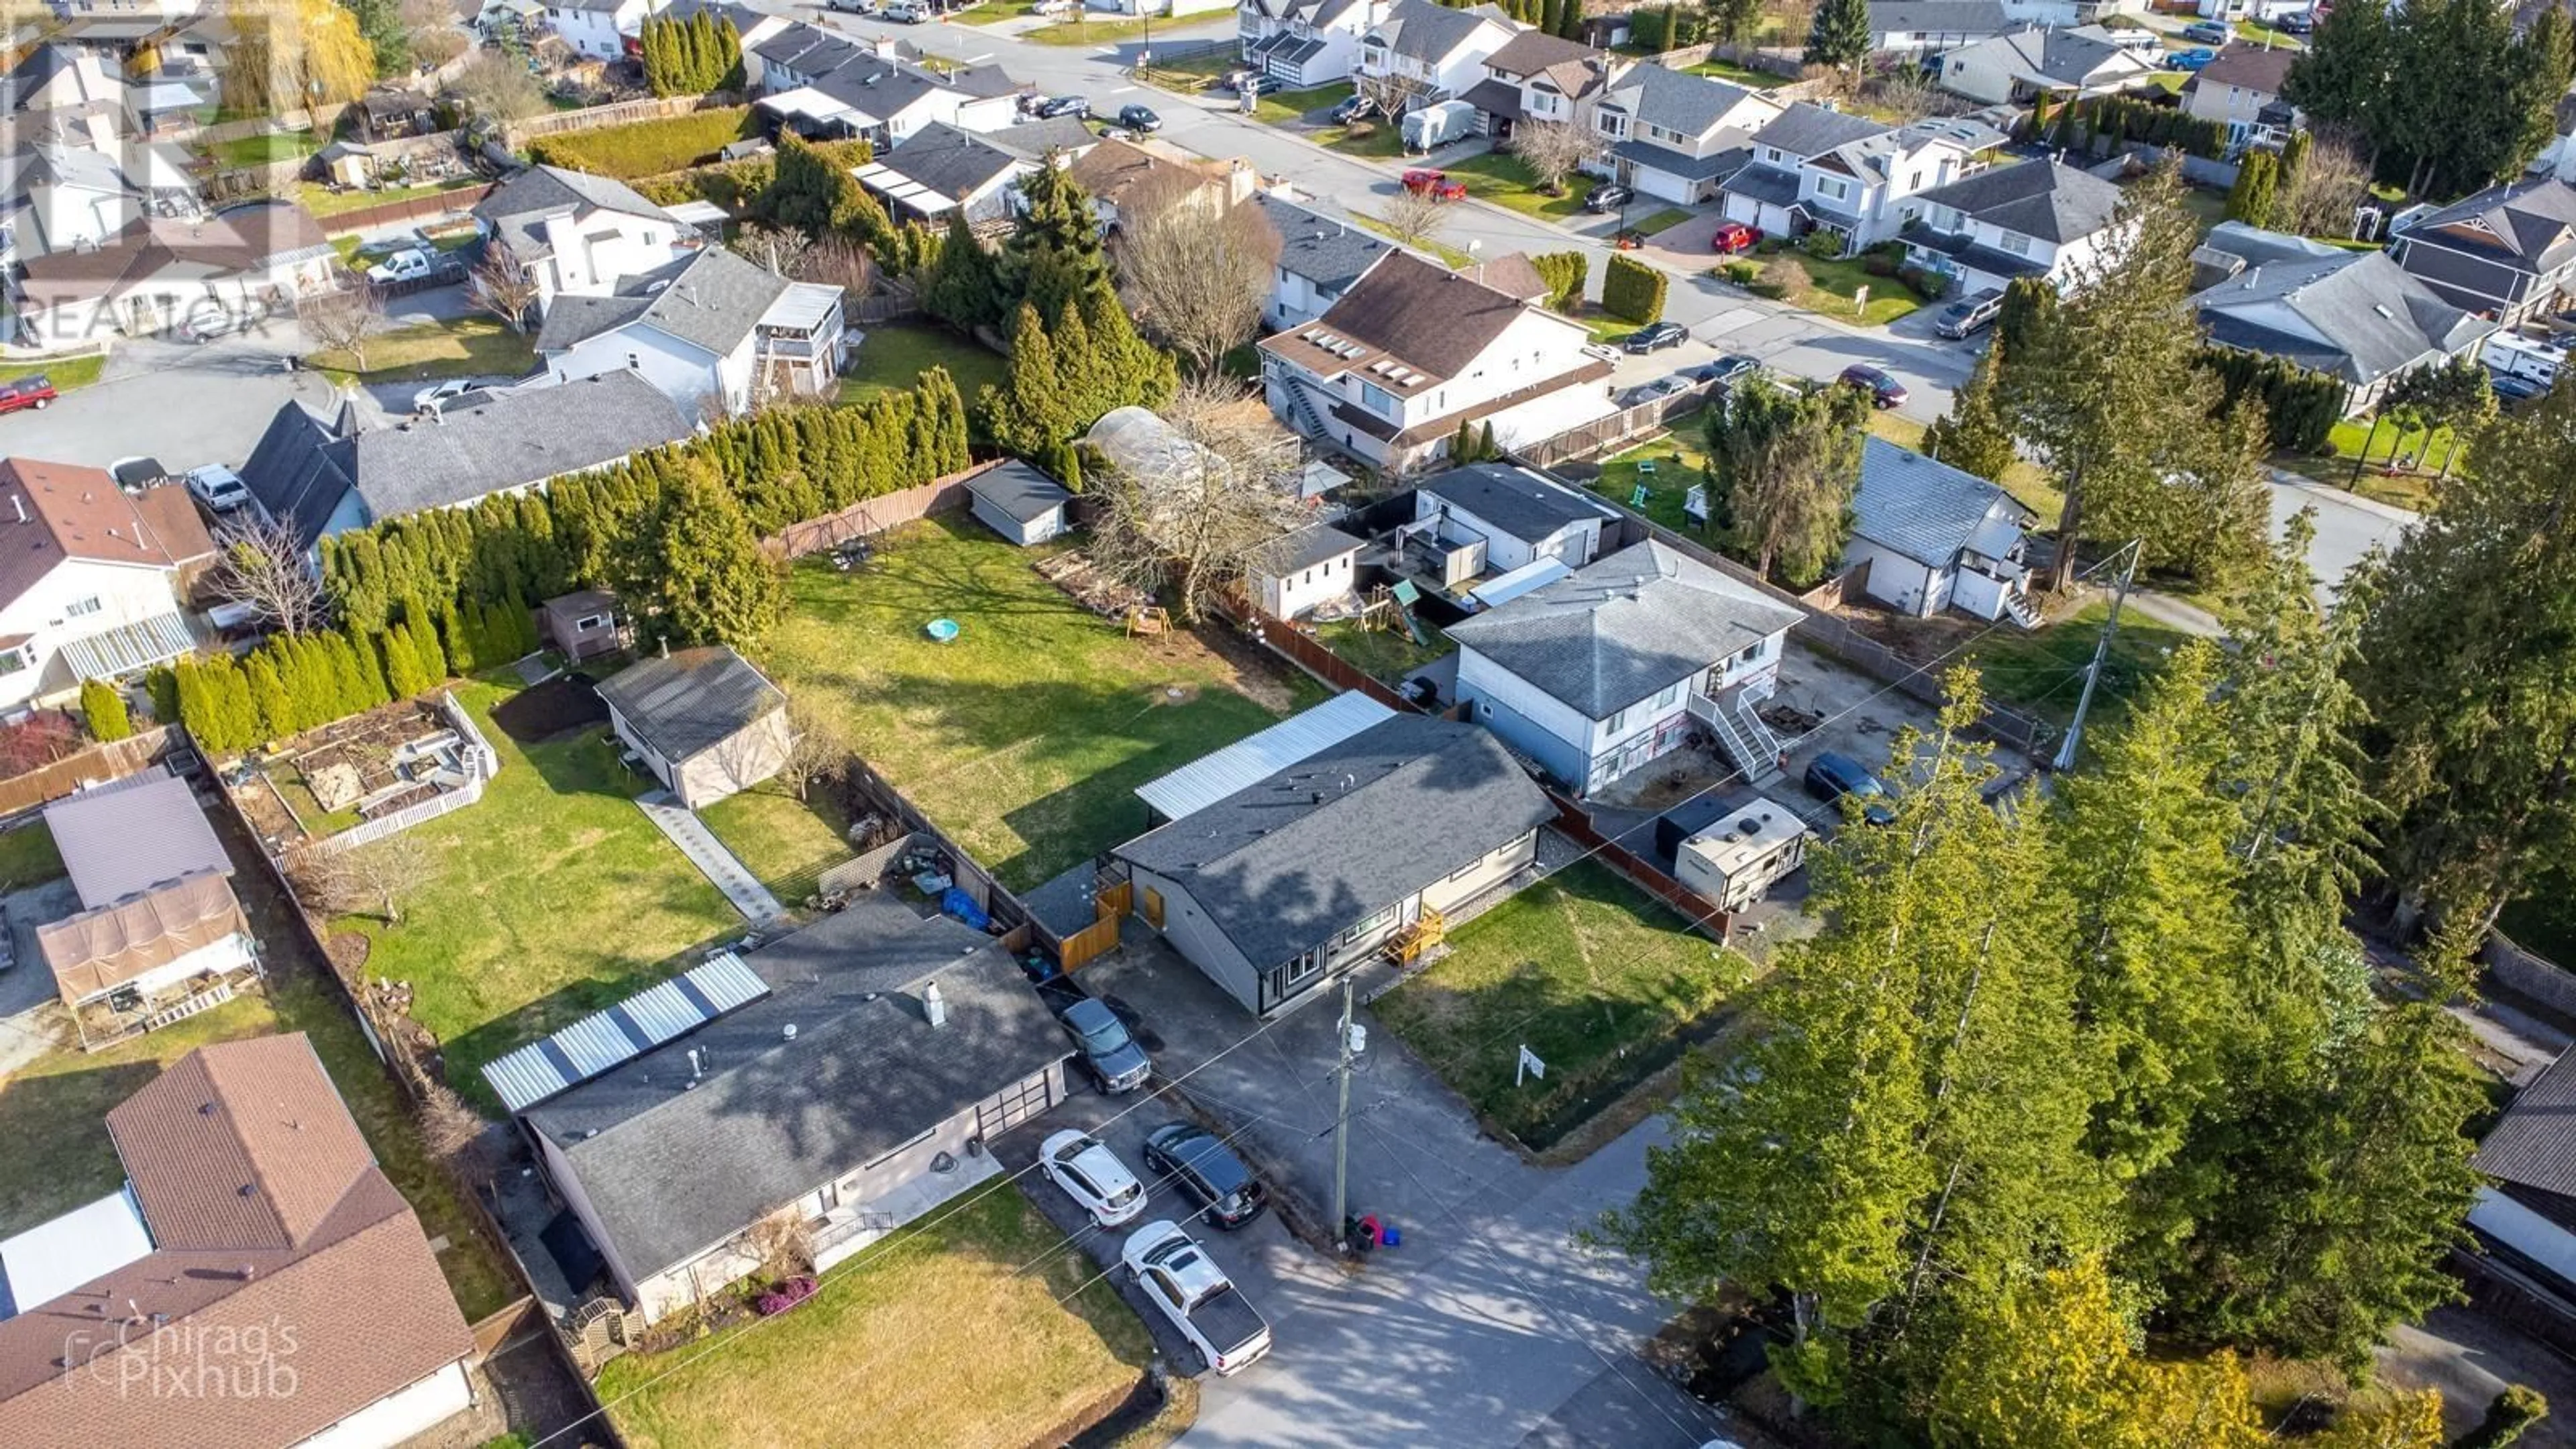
(939, 169)
(1257, 756)
(1311, 568)
(1487, 520)
(162, 937)
(1413, 351)
(162, 273)
(1430, 52)
(1613, 666)
(1304, 43)
(1283, 884)
(56, 196)
(2030, 219)
(1922, 27)
(576, 233)
(1017, 501)
(1129, 174)
(121, 838)
(2241, 90)
(715, 333)
(1320, 258)
(2507, 254)
(1675, 136)
(601, 29)
(2358, 317)
(1818, 169)
(706, 722)
(850, 1077)
(1932, 537)
(252, 1206)
(95, 582)
(1060, 139)
(325, 476)
(2083, 61)
(1535, 76)
(825, 84)
(2525, 1214)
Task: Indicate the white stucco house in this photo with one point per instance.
(713, 332)
(1439, 51)
(161, 274)
(2030, 219)
(823, 84)
(1413, 350)
(1305, 570)
(1613, 666)
(1815, 169)
(95, 582)
(578, 234)
(1487, 520)
(1673, 135)
(2083, 61)
(602, 29)
(2241, 90)
(2356, 316)
(1303, 43)
(1932, 537)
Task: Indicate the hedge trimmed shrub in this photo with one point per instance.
(646, 148)
(1740, 271)
(1564, 273)
(1632, 291)
(2300, 406)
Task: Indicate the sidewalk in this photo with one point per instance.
(711, 858)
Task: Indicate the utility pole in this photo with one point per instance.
(2093, 672)
(1342, 1126)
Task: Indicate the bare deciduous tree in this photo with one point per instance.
(503, 285)
(816, 747)
(497, 87)
(1196, 270)
(1415, 217)
(1905, 93)
(259, 564)
(1203, 521)
(838, 261)
(1391, 95)
(2329, 187)
(778, 249)
(342, 319)
(784, 1241)
(431, 27)
(1552, 150)
(342, 882)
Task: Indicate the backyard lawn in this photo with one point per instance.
(52, 1115)
(1506, 180)
(1678, 463)
(65, 373)
(262, 149)
(548, 899)
(1743, 75)
(2043, 672)
(325, 202)
(1591, 975)
(1023, 738)
(423, 351)
(783, 841)
(895, 355)
(27, 856)
(934, 1337)
(1386, 655)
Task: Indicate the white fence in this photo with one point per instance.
(481, 764)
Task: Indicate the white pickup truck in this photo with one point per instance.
(1195, 1294)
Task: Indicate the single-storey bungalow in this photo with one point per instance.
(1019, 502)
(706, 723)
(2358, 317)
(1929, 537)
(1285, 883)
(1305, 570)
(1501, 517)
(160, 936)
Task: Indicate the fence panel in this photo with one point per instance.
(870, 516)
(460, 198)
(1608, 432)
(94, 766)
(517, 134)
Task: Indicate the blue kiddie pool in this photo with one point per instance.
(941, 631)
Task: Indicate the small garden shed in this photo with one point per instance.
(585, 624)
(1020, 503)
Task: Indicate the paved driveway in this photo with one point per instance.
(181, 403)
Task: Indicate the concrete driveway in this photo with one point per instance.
(2470, 1356)
(185, 404)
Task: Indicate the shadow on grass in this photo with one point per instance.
(58, 1148)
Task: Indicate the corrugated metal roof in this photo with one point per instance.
(1538, 573)
(603, 1039)
(1211, 778)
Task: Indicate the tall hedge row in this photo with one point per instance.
(1632, 290)
(2302, 405)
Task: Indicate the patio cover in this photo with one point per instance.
(895, 186)
(1249, 761)
(809, 104)
(128, 647)
(95, 952)
(53, 1258)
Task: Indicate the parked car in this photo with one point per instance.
(1732, 237)
(1656, 391)
(1831, 776)
(1352, 108)
(2298, 22)
(852, 7)
(1969, 314)
(438, 394)
(1724, 371)
(2208, 32)
(1054, 106)
(218, 487)
(137, 473)
(1109, 1052)
(1884, 391)
(1193, 1292)
(1655, 337)
(1608, 198)
(2512, 389)
(1139, 118)
(8, 941)
(1427, 181)
(208, 319)
(411, 264)
(1202, 1165)
(903, 13)
(1093, 1176)
(2192, 59)
(27, 392)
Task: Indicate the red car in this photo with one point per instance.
(26, 392)
(1733, 237)
(1424, 181)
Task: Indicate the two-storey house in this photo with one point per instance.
(824, 85)
(1674, 136)
(1815, 169)
(94, 581)
(1925, 27)
(1413, 350)
(1431, 52)
(713, 333)
(1303, 43)
(2507, 253)
(2029, 219)
(1536, 76)
(2241, 90)
(2084, 61)
(1614, 665)
(577, 234)
(1320, 258)
(602, 29)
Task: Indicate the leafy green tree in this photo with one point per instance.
(1055, 254)
(1974, 437)
(2343, 75)
(2516, 1409)
(269, 699)
(1551, 16)
(1030, 411)
(2455, 394)
(1731, 21)
(1569, 20)
(103, 710)
(964, 287)
(1788, 464)
(2294, 159)
(1839, 34)
(717, 587)
(2258, 178)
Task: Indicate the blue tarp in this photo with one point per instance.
(957, 903)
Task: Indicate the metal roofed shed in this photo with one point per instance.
(636, 1025)
(1249, 761)
(1019, 502)
(131, 834)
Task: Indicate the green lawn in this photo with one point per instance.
(1386, 654)
(1506, 180)
(994, 12)
(325, 202)
(1595, 978)
(2043, 672)
(1280, 107)
(424, 351)
(783, 841)
(550, 898)
(1191, 75)
(2207, 207)
(263, 149)
(2260, 33)
(28, 856)
(1670, 216)
(1377, 139)
(1836, 283)
(934, 1336)
(1025, 737)
(1450, 256)
(65, 373)
(52, 1116)
(1743, 75)
(1083, 31)
(895, 355)
(1678, 463)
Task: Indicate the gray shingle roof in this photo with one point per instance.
(954, 163)
(1920, 507)
(1287, 864)
(1807, 129)
(2535, 1143)
(689, 700)
(1527, 505)
(1679, 163)
(1620, 628)
(1327, 252)
(671, 1170)
(1307, 547)
(516, 205)
(1677, 100)
(1533, 51)
(572, 319)
(1426, 30)
(1019, 490)
(1763, 182)
(2040, 199)
(711, 300)
(1937, 17)
(1032, 140)
(2356, 315)
(2532, 221)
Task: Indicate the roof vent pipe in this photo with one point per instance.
(933, 1005)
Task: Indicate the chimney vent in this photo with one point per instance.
(933, 1005)
(787, 1032)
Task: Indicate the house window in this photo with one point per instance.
(634, 363)
(1374, 920)
(1832, 188)
(79, 608)
(1617, 721)
(1377, 399)
(13, 660)
(588, 622)
(1671, 693)
(2015, 243)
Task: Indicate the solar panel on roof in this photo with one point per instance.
(604, 1039)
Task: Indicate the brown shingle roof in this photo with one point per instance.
(53, 511)
(236, 241)
(322, 1274)
(2249, 66)
(1424, 322)
(1119, 172)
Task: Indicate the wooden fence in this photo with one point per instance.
(455, 199)
(1100, 937)
(1702, 913)
(93, 766)
(518, 134)
(1290, 643)
(1604, 433)
(870, 516)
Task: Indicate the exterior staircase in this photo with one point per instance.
(1759, 766)
(2017, 605)
(1303, 415)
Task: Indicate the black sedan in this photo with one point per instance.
(1654, 337)
(1609, 198)
(1205, 1168)
(1055, 106)
(1139, 118)
(1723, 370)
